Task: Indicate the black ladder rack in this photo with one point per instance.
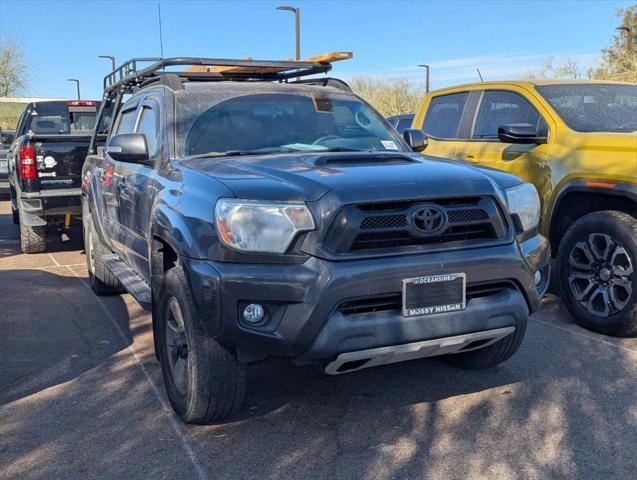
(133, 73)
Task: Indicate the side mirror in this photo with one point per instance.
(520, 133)
(128, 147)
(416, 139)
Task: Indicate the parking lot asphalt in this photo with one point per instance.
(81, 396)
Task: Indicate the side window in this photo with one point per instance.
(403, 124)
(148, 126)
(503, 108)
(444, 114)
(126, 122)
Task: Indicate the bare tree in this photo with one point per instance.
(388, 96)
(619, 60)
(568, 69)
(14, 70)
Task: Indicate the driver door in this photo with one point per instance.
(137, 185)
(527, 161)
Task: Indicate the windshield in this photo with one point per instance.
(280, 122)
(594, 107)
(6, 138)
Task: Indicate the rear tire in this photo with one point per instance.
(490, 356)
(204, 380)
(597, 266)
(32, 238)
(102, 280)
(15, 216)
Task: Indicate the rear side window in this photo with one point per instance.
(148, 127)
(403, 124)
(444, 114)
(127, 122)
(60, 119)
(499, 108)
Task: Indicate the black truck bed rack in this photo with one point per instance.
(133, 73)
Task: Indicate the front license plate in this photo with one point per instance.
(434, 294)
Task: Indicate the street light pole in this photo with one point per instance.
(426, 77)
(112, 60)
(77, 82)
(629, 37)
(297, 23)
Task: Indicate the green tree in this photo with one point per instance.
(14, 70)
(619, 60)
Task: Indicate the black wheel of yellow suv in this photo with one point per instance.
(598, 272)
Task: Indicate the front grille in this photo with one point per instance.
(470, 215)
(393, 301)
(384, 221)
(391, 225)
(369, 241)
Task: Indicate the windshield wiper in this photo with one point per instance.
(234, 153)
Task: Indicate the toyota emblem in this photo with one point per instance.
(429, 220)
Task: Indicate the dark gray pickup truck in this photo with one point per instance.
(260, 216)
(45, 166)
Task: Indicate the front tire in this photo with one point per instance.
(597, 264)
(32, 238)
(490, 356)
(204, 380)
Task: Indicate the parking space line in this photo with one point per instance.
(46, 267)
(585, 335)
(176, 426)
(54, 260)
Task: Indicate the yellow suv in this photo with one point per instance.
(576, 141)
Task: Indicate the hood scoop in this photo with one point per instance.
(364, 160)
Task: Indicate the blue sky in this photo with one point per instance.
(504, 39)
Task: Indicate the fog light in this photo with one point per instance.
(537, 277)
(253, 313)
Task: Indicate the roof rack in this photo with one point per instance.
(132, 73)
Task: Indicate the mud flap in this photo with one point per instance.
(29, 217)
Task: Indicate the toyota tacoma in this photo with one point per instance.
(261, 213)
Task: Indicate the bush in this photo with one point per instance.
(388, 96)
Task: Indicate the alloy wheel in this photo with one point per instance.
(600, 275)
(177, 346)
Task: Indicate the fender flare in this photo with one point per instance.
(580, 185)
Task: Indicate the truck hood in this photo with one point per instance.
(352, 176)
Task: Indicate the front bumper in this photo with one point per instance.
(303, 320)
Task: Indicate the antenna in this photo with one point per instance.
(161, 37)
(163, 82)
(479, 75)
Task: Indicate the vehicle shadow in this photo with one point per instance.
(56, 242)
(54, 330)
(562, 407)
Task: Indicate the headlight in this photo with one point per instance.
(524, 202)
(254, 226)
